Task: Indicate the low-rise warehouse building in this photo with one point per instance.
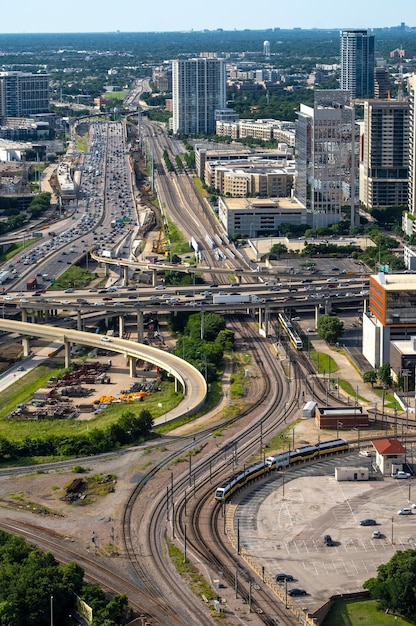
(340, 418)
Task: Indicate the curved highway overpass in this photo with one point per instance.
(192, 381)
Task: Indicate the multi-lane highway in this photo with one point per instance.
(98, 204)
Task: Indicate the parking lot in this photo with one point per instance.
(283, 527)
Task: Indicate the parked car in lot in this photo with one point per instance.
(366, 453)
(368, 522)
(328, 541)
(405, 511)
(401, 475)
(297, 592)
(281, 578)
(376, 534)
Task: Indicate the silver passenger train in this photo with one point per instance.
(278, 462)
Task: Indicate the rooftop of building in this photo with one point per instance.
(335, 410)
(395, 282)
(406, 346)
(388, 446)
(241, 204)
(7, 144)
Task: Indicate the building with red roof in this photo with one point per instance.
(390, 455)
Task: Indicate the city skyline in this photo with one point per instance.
(96, 17)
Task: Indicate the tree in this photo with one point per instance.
(395, 584)
(277, 250)
(370, 377)
(384, 374)
(330, 328)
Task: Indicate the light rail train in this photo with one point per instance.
(294, 338)
(278, 462)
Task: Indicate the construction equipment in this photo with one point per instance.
(159, 245)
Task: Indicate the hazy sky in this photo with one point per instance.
(47, 16)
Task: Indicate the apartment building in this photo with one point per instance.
(198, 90)
(384, 157)
(23, 94)
(357, 63)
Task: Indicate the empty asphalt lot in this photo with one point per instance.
(282, 526)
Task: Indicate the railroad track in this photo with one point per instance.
(146, 550)
(205, 520)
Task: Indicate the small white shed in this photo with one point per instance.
(309, 409)
(351, 473)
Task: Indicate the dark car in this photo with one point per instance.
(368, 522)
(281, 578)
(328, 540)
(297, 592)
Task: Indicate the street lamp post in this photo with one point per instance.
(405, 374)
(356, 428)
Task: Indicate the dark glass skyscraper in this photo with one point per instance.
(357, 63)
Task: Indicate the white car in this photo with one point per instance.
(365, 453)
(401, 474)
(8, 297)
(106, 339)
(160, 287)
(405, 511)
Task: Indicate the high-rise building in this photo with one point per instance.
(382, 83)
(198, 90)
(23, 94)
(357, 63)
(327, 157)
(384, 153)
(411, 203)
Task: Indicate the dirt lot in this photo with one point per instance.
(9, 355)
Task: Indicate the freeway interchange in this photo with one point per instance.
(101, 203)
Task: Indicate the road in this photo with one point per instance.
(192, 381)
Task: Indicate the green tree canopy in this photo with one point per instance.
(384, 374)
(330, 328)
(370, 377)
(394, 587)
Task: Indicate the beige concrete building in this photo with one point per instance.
(265, 129)
(254, 217)
(247, 179)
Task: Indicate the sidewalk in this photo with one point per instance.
(346, 371)
(211, 416)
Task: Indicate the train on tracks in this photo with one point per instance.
(293, 336)
(278, 462)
